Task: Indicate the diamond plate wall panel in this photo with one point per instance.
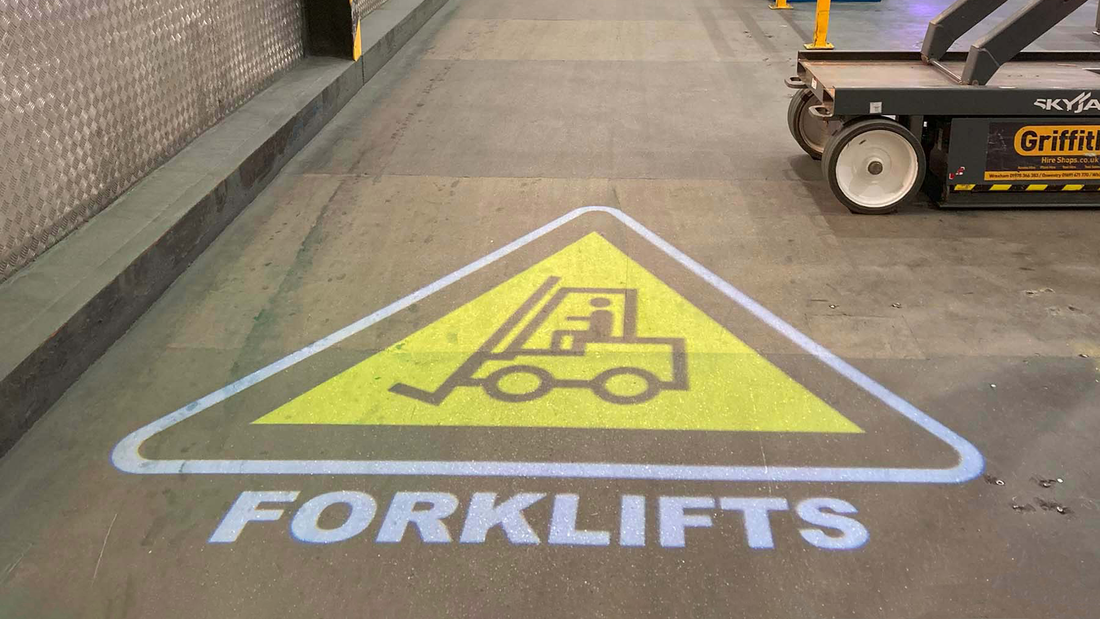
(96, 93)
(364, 7)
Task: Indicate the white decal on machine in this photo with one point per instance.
(1081, 103)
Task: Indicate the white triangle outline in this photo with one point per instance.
(127, 457)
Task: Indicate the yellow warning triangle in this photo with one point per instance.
(587, 338)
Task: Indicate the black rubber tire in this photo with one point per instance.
(800, 106)
(853, 130)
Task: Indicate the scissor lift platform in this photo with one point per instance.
(848, 83)
(990, 127)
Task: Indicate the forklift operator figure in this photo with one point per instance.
(600, 323)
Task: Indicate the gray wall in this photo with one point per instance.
(96, 93)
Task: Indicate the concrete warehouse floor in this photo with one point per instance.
(969, 493)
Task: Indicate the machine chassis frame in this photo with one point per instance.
(900, 84)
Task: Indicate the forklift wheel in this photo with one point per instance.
(873, 165)
(544, 382)
(809, 131)
(651, 386)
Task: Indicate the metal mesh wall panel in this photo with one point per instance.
(96, 93)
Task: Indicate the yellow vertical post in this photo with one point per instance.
(780, 5)
(821, 27)
(357, 42)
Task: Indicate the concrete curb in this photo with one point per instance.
(64, 310)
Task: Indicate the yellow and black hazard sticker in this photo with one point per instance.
(1024, 187)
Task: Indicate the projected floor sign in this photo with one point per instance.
(588, 349)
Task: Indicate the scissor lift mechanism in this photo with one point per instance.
(994, 126)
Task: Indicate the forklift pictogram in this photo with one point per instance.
(602, 329)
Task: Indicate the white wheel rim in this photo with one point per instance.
(877, 168)
(814, 130)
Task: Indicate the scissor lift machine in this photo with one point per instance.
(994, 126)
